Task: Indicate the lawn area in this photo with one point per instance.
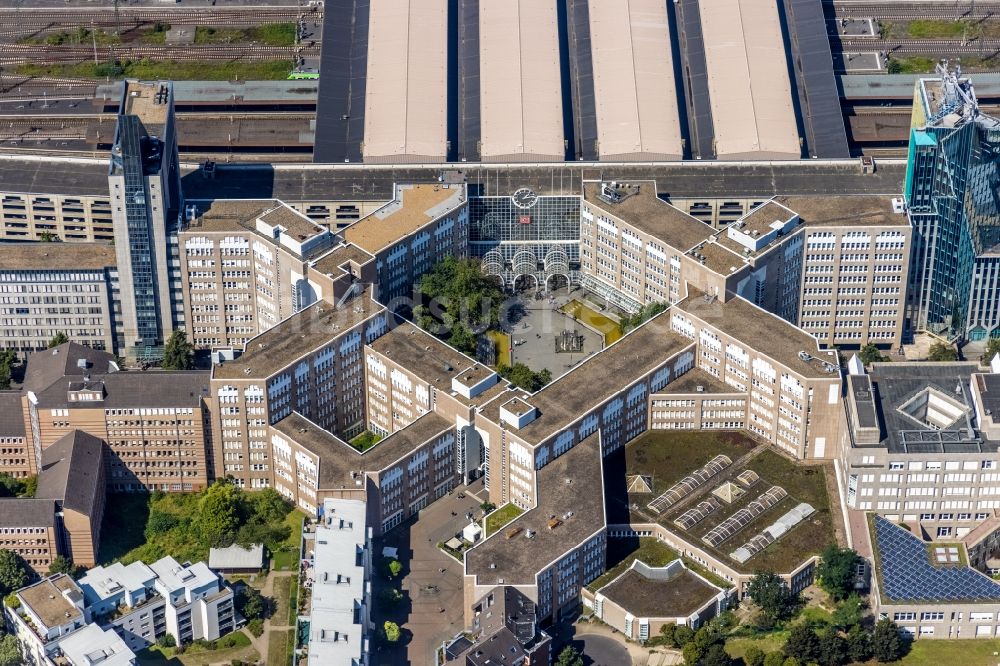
(668, 456)
(911, 65)
(293, 601)
(272, 34)
(233, 646)
(286, 556)
(969, 652)
(365, 440)
(593, 319)
(282, 598)
(621, 554)
(281, 644)
(496, 520)
(265, 70)
(737, 647)
(125, 516)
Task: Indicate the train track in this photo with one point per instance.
(104, 17)
(903, 11)
(16, 54)
(984, 47)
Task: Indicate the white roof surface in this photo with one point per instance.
(751, 96)
(520, 86)
(236, 557)
(634, 90)
(338, 584)
(406, 93)
(105, 582)
(173, 576)
(92, 645)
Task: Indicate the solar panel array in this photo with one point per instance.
(692, 517)
(685, 486)
(908, 575)
(748, 477)
(744, 516)
(771, 534)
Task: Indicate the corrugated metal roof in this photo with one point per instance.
(407, 91)
(520, 91)
(635, 92)
(748, 83)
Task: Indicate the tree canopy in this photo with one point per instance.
(940, 351)
(645, 313)
(14, 572)
(992, 349)
(391, 630)
(8, 359)
(178, 353)
(836, 571)
(871, 354)
(59, 338)
(768, 591)
(803, 644)
(887, 645)
(62, 564)
(10, 651)
(524, 377)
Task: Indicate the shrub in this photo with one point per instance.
(166, 641)
(256, 627)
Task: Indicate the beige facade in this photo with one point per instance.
(49, 288)
(28, 216)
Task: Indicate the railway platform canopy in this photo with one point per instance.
(634, 88)
(520, 81)
(748, 84)
(406, 101)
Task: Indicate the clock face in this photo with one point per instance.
(524, 198)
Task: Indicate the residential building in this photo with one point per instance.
(920, 444)
(198, 602)
(146, 198)
(51, 288)
(157, 424)
(94, 645)
(64, 516)
(340, 581)
(46, 613)
(244, 268)
(955, 281)
(505, 629)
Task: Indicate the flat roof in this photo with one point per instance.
(434, 361)
(520, 80)
(762, 217)
(845, 210)
(45, 598)
(43, 256)
(176, 576)
(570, 489)
(331, 262)
(695, 377)
(406, 92)
(596, 379)
(760, 330)
(236, 557)
(748, 85)
(338, 458)
(300, 334)
(679, 596)
(93, 645)
(222, 215)
(634, 88)
(641, 208)
(141, 100)
(718, 255)
(413, 206)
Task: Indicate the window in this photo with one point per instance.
(895, 465)
(945, 516)
(904, 617)
(932, 616)
(943, 532)
(927, 516)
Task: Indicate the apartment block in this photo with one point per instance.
(244, 268)
(636, 249)
(340, 607)
(423, 224)
(791, 388)
(505, 627)
(64, 516)
(48, 288)
(34, 217)
(855, 269)
(157, 424)
(920, 444)
(46, 613)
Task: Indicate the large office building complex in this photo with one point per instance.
(950, 181)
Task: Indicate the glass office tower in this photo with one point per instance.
(951, 189)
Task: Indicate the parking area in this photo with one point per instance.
(432, 609)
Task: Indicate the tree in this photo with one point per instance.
(488, 507)
(859, 644)
(836, 570)
(250, 603)
(59, 338)
(218, 513)
(395, 568)
(256, 627)
(692, 654)
(715, 655)
(48, 237)
(30, 486)
(668, 631)
(524, 377)
(790, 661)
(178, 353)
(62, 564)
(776, 658)
(9, 486)
(8, 359)
(14, 572)
(768, 591)
(940, 351)
(871, 354)
(992, 349)
(683, 635)
(10, 651)
(753, 656)
(645, 313)
(167, 641)
(887, 645)
(459, 288)
(391, 630)
(569, 657)
(803, 644)
(848, 612)
(832, 649)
